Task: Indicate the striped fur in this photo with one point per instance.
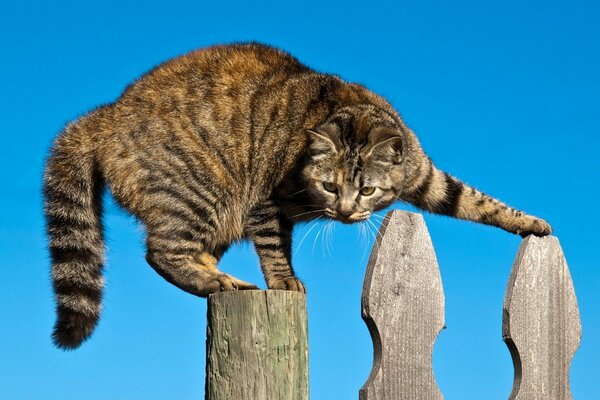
(226, 143)
(73, 212)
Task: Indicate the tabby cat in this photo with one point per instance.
(232, 142)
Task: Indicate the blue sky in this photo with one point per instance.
(504, 95)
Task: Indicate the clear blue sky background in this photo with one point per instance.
(505, 95)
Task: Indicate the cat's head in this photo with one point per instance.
(354, 163)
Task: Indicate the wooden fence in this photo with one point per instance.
(257, 344)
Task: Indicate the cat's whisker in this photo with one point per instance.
(374, 232)
(295, 193)
(312, 226)
(369, 230)
(381, 218)
(376, 223)
(377, 235)
(363, 240)
(363, 231)
(308, 212)
(309, 205)
(315, 240)
(375, 227)
(329, 244)
(324, 238)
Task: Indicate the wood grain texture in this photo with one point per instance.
(257, 346)
(403, 306)
(541, 324)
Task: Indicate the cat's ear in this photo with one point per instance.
(323, 140)
(385, 145)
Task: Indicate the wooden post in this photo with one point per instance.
(403, 306)
(541, 324)
(257, 346)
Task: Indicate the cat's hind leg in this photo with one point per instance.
(196, 275)
(180, 256)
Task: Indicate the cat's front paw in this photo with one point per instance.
(291, 283)
(530, 225)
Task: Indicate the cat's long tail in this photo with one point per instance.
(72, 194)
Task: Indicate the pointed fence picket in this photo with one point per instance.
(540, 321)
(403, 306)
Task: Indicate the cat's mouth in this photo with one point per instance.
(347, 219)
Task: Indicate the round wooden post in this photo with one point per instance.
(257, 346)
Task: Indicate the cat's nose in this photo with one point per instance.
(345, 207)
(345, 212)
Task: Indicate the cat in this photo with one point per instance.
(226, 143)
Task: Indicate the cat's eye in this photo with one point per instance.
(330, 187)
(367, 190)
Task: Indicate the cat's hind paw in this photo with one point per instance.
(222, 282)
(229, 282)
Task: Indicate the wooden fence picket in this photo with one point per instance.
(541, 324)
(403, 306)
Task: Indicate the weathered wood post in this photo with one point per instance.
(257, 346)
(403, 306)
(540, 323)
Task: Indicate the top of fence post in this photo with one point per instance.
(541, 324)
(403, 306)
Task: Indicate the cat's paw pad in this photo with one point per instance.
(292, 283)
(534, 226)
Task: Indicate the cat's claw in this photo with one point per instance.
(243, 285)
(291, 283)
(230, 283)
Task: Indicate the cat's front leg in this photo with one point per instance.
(438, 192)
(271, 233)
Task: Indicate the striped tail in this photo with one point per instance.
(73, 194)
